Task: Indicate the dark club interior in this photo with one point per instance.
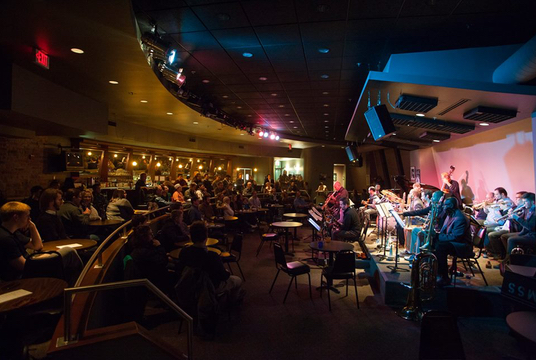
(267, 179)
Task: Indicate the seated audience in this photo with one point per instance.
(177, 195)
(197, 256)
(248, 191)
(206, 209)
(226, 207)
(49, 223)
(174, 232)
(254, 201)
(300, 204)
(86, 203)
(15, 218)
(99, 201)
(194, 213)
(33, 201)
(160, 199)
(119, 207)
(191, 192)
(75, 221)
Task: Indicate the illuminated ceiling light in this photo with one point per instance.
(326, 121)
(324, 76)
(144, 101)
(113, 82)
(273, 94)
(225, 96)
(180, 166)
(89, 153)
(483, 124)
(420, 115)
(325, 93)
(237, 169)
(394, 134)
(158, 164)
(134, 163)
(295, 127)
(287, 114)
(249, 115)
(77, 50)
(247, 54)
(327, 127)
(323, 50)
(291, 121)
(195, 122)
(255, 170)
(239, 107)
(262, 78)
(436, 141)
(266, 134)
(261, 133)
(200, 167)
(219, 168)
(281, 106)
(277, 137)
(326, 105)
(169, 113)
(191, 159)
(198, 160)
(170, 159)
(205, 81)
(115, 155)
(143, 157)
(272, 137)
(177, 159)
(326, 114)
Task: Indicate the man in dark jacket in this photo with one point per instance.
(49, 223)
(349, 229)
(172, 235)
(74, 220)
(454, 238)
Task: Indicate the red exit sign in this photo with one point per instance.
(42, 59)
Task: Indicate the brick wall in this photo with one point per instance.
(23, 164)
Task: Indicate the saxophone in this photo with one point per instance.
(423, 274)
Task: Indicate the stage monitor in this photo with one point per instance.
(380, 122)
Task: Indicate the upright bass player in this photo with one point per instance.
(332, 202)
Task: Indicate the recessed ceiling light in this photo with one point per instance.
(394, 134)
(223, 17)
(144, 101)
(327, 127)
(281, 106)
(483, 124)
(323, 145)
(195, 122)
(326, 114)
(205, 81)
(325, 93)
(273, 94)
(326, 105)
(295, 127)
(419, 115)
(113, 82)
(262, 78)
(239, 107)
(169, 113)
(291, 121)
(324, 76)
(247, 54)
(77, 50)
(436, 141)
(326, 121)
(323, 50)
(287, 114)
(225, 96)
(249, 115)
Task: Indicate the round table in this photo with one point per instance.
(210, 242)
(230, 218)
(41, 289)
(295, 215)
(287, 225)
(523, 323)
(331, 247)
(176, 252)
(105, 222)
(56, 244)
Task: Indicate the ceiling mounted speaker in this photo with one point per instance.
(416, 103)
(489, 114)
(379, 122)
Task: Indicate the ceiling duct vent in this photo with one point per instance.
(489, 114)
(433, 136)
(432, 124)
(415, 103)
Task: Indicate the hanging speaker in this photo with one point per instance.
(379, 122)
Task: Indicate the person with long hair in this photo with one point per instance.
(119, 207)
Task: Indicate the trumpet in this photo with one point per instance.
(517, 211)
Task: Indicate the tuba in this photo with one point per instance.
(423, 273)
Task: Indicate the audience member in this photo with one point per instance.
(75, 221)
(33, 201)
(49, 223)
(174, 232)
(99, 201)
(194, 213)
(86, 203)
(119, 207)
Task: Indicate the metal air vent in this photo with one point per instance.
(416, 103)
(489, 114)
(453, 106)
(427, 123)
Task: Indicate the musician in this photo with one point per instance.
(350, 228)
(369, 207)
(527, 236)
(500, 207)
(335, 197)
(481, 215)
(451, 187)
(454, 239)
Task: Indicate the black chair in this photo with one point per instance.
(343, 268)
(293, 269)
(440, 337)
(230, 257)
(479, 234)
(268, 237)
(44, 264)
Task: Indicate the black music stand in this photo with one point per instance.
(400, 222)
(383, 215)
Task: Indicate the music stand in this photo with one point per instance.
(382, 215)
(400, 222)
(386, 208)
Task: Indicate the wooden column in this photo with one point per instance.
(103, 165)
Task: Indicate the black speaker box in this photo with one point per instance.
(379, 122)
